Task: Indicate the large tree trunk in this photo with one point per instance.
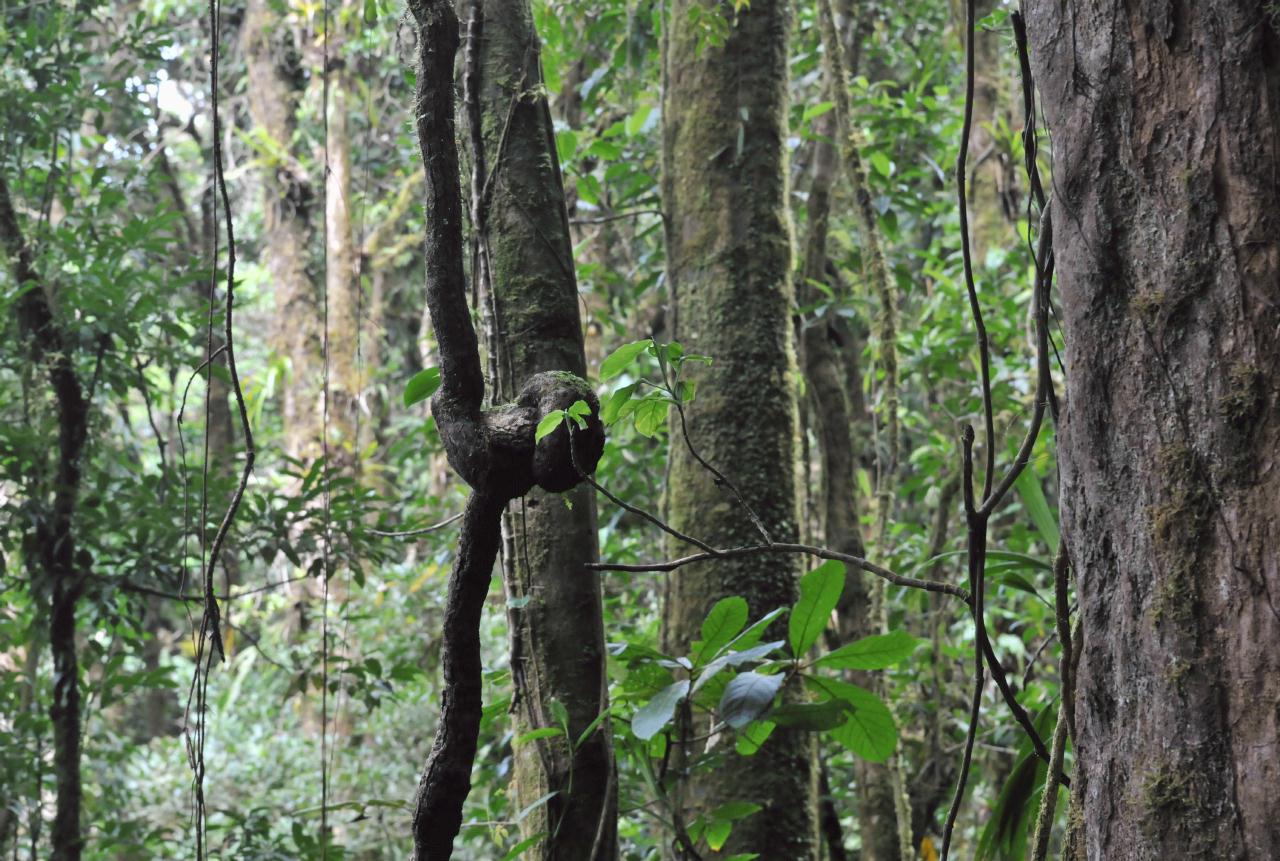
(557, 628)
(729, 246)
(275, 81)
(1166, 132)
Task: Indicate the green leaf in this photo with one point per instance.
(870, 731)
(550, 422)
(651, 414)
(747, 697)
(1014, 581)
(649, 720)
(722, 624)
(535, 734)
(370, 11)
(819, 591)
(881, 163)
(1026, 561)
(751, 739)
(734, 658)
(752, 635)
(1037, 506)
(617, 361)
(578, 411)
(718, 833)
(871, 653)
(591, 728)
(814, 111)
(811, 716)
(635, 122)
(566, 145)
(421, 386)
(735, 810)
(527, 843)
(613, 407)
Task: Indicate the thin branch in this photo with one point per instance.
(435, 527)
(984, 349)
(721, 479)
(621, 503)
(175, 596)
(779, 547)
(605, 219)
(1049, 798)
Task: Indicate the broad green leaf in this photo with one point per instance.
(566, 145)
(870, 731)
(659, 710)
(752, 635)
(819, 591)
(421, 386)
(871, 653)
(617, 361)
(811, 716)
(735, 810)
(722, 624)
(612, 409)
(881, 163)
(1037, 506)
(636, 121)
(753, 737)
(718, 833)
(816, 110)
(651, 414)
(550, 422)
(578, 411)
(734, 658)
(747, 697)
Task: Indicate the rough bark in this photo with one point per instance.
(275, 82)
(1166, 130)
(729, 248)
(63, 568)
(493, 449)
(557, 637)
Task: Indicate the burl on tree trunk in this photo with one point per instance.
(493, 449)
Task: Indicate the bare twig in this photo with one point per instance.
(409, 533)
(780, 547)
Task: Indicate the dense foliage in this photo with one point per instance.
(324, 706)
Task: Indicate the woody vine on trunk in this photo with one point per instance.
(494, 450)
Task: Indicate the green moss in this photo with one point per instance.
(1174, 801)
(1244, 394)
(1179, 524)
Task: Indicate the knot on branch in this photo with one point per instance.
(496, 452)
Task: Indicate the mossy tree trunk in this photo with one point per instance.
(527, 279)
(275, 83)
(729, 247)
(1166, 130)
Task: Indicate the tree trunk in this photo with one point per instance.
(729, 247)
(275, 80)
(1166, 132)
(342, 282)
(557, 637)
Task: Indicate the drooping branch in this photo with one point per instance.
(461, 382)
(446, 780)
